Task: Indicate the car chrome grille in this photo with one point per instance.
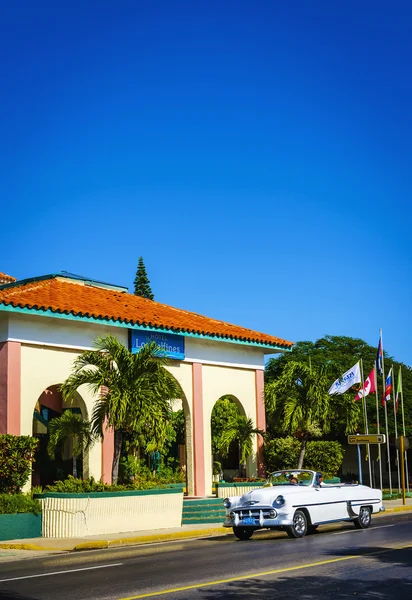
(254, 513)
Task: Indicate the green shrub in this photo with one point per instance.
(18, 503)
(326, 457)
(72, 485)
(16, 457)
(281, 453)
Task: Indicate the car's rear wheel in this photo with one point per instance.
(243, 533)
(364, 519)
(299, 527)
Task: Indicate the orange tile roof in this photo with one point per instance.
(64, 296)
(4, 278)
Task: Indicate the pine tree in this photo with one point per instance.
(141, 282)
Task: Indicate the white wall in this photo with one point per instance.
(224, 353)
(66, 333)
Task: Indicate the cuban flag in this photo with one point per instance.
(379, 358)
(388, 388)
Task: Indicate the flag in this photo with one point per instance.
(347, 380)
(398, 390)
(368, 386)
(388, 388)
(379, 358)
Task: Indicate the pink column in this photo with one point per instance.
(198, 432)
(10, 387)
(260, 418)
(107, 454)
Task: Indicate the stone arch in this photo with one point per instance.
(50, 405)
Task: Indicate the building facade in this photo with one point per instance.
(46, 322)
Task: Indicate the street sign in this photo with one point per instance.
(367, 439)
(405, 443)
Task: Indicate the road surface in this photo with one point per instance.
(338, 562)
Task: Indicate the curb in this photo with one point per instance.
(126, 541)
(149, 539)
(407, 508)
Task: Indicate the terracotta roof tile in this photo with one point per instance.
(4, 278)
(68, 297)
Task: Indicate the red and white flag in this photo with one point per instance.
(369, 386)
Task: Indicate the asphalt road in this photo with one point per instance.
(339, 562)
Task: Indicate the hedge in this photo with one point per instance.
(18, 503)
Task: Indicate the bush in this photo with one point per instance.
(16, 457)
(282, 453)
(326, 457)
(18, 503)
(72, 485)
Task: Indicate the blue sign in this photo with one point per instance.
(172, 346)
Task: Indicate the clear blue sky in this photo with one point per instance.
(256, 154)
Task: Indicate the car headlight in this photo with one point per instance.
(227, 503)
(280, 501)
(273, 514)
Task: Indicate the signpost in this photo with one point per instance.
(359, 439)
(367, 439)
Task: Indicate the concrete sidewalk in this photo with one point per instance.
(42, 546)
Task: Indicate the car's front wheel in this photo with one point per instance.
(299, 527)
(364, 519)
(243, 533)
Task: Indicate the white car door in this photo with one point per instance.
(327, 505)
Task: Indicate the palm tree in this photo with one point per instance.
(239, 428)
(299, 397)
(133, 390)
(69, 426)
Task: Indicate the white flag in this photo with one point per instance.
(347, 380)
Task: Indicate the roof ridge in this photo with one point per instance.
(84, 300)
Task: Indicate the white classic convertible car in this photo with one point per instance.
(297, 501)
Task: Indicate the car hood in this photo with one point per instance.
(268, 494)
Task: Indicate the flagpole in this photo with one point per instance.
(365, 416)
(396, 428)
(378, 425)
(403, 426)
(386, 417)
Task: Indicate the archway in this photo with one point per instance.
(226, 465)
(49, 406)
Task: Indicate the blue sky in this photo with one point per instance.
(256, 154)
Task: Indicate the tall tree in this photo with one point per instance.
(69, 427)
(299, 401)
(141, 282)
(336, 354)
(134, 390)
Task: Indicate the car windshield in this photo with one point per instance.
(290, 478)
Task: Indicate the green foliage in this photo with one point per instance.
(217, 467)
(224, 410)
(141, 282)
(16, 457)
(281, 453)
(137, 392)
(71, 485)
(69, 426)
(241, 430)
(18, 503)
(324, 456)
(336, 354)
